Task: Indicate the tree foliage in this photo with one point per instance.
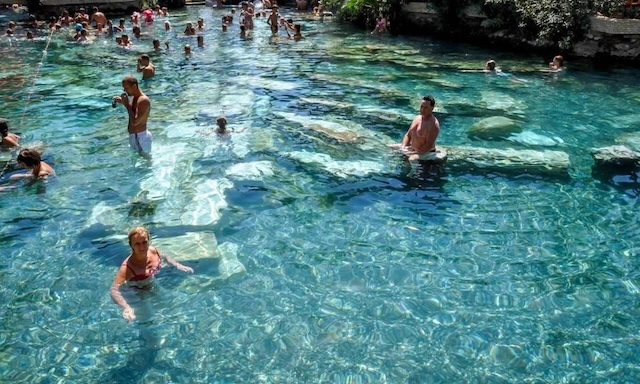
(558, 21)
(561, 22)
(364, 12)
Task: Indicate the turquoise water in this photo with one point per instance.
(317, 259)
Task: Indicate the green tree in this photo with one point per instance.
(559, 21)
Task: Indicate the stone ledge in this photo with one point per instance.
(611, 26)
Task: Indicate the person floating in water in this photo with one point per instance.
(421, 136)
(557, 64)
(138, 109)
(30, 158)
(137, 271)
(491, 66)
(221, 121)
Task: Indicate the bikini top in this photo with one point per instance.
(147, 273)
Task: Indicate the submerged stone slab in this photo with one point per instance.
(630, 140)
(494, 127)
(535, 139)
(509, 159)
(615, 156)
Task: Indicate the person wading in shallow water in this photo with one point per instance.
(138, 109)
(137, 271)
(421, 136)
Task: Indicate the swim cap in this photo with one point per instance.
(78, 27)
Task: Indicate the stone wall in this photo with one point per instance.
(618, 38)
(608, 37)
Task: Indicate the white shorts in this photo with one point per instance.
(141, 142)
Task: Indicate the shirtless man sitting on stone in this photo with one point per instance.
(420, 139)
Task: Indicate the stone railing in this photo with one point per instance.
(472, 11)
(611, 26)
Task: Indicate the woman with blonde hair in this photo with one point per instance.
(138, 270)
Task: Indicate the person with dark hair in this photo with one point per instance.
(98, 17)
(221, 122)
(9, 140)
(421, 136)
(146, 67)
(138, 110)
(30, 158)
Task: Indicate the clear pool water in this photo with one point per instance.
(320, 255)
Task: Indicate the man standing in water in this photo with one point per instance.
(421, 137)
(138, 110)
(145, 66)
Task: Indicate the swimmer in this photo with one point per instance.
(200, 23)
(156, 45)
(52, 22)
(8, 139)
(221, 121)
(121, 27)
(146, 67)
(187, 50)
(82, 16)
(381, 26)
(30, 158)
(297, 32)
(248, 14)
(557, 64)
(140, 139)
(189, 30)
(83, 36)
(65, 19)
(421, 136)
(137, 32)
(125, 42)
(272, 21)
(167, 26)
(137, 271)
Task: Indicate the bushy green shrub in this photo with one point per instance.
(558, 21)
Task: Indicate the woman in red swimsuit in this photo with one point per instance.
(139, 268)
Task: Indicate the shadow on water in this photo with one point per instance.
(138, 363)
(624, 179)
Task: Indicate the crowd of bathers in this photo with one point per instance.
(84, 27)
